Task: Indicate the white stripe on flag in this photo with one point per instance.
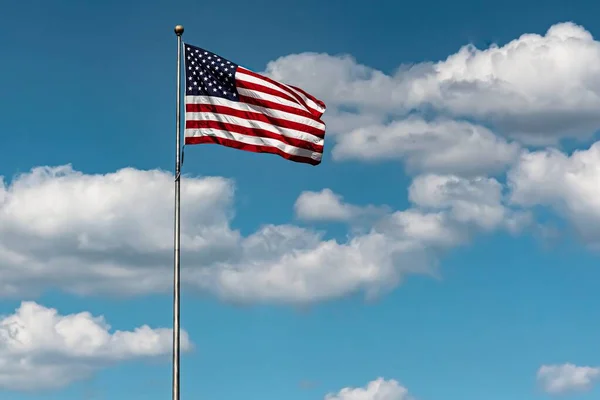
(241, 106)
(247, 123)
(254, 140)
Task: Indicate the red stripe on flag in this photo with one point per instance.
(310, 96)
(249, 147)
(264, 89)
(206, 124)
(277, 106)
(315, 113)
(255, 116)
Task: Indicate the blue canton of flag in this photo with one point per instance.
(209, 75)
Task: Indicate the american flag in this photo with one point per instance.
(232, 106)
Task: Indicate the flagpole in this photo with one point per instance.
(176, 263)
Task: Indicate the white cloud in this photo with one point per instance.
(538, 88)
(341, 122)
(329, 206)
(379, 389)
(41, 349)
(558, 379)
(112, 233)
(570, 184)
(325, 206)
(441, 146)
(477, 201)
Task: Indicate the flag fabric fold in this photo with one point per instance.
(230, 105)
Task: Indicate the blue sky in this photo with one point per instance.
(446, 244)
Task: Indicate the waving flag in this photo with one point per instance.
(232, 106)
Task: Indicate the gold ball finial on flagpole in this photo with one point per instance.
(179, 30)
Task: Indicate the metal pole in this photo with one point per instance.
(176, 264)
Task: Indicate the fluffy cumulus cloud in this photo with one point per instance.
(379, 389)
(569, 184)
(111, 233)
(329, 206)
(89, 233)
(537, 88)
(559, 379)
(442, 146)
(477, 201)
(41, 349)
